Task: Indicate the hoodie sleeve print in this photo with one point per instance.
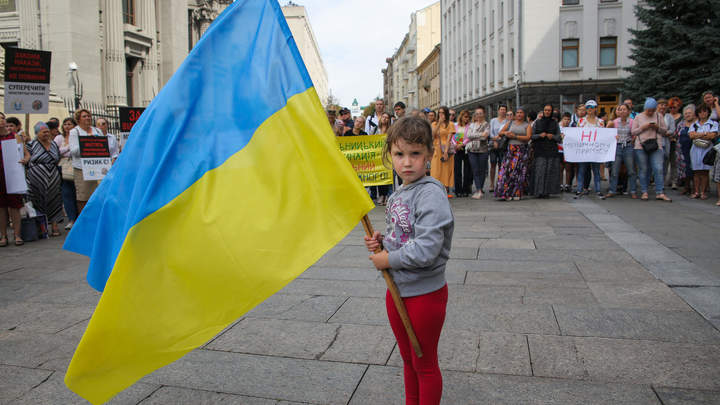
(432, 216)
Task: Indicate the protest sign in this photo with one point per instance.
(129, 116)
(595, 145)
(12, 153)
(95, 157)
(365, 155)
(27, 81)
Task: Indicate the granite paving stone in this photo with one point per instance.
(601, 271)
(677, 396)
(667, 326)
(508, 244)
(274, 337)
(559, 295)
(348, 273)
(33, 349)
(649, 295)
(362, 311)
(16, 381)
(635, 361)
(54, 391)
(318, 382)
(175, 395)
(705, 300)
(511, 318)
(526, 279)
(379, 387)
(503, 353)
(44, 318)
(365, 344)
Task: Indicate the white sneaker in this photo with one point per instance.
(477, 195)
(69, 225)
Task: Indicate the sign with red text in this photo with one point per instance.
(95, 157)
(582, 145)
(27, 81)
(129, 116)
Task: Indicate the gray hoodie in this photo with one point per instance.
(419, 228)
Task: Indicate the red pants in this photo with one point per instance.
(423, 381)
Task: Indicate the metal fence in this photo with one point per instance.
(98, 110)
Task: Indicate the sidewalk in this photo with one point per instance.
(551, 302)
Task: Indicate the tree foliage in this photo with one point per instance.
(676, 50)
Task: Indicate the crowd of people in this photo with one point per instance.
(667, 144)
(55, 183)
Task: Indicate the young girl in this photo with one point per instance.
(416, 246)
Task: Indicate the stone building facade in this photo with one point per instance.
(121, 52)
(559, 51)
(428, 73)
(400, 76)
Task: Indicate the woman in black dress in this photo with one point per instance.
(547, 165)
(43, 176)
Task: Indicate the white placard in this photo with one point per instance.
(595, 145)
(12, 153)
(26, 98)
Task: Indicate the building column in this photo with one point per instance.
(115, 77)
(29, 24)
(149, 86)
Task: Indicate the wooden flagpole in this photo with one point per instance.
(399, 304)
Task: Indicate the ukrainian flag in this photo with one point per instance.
(230, 186)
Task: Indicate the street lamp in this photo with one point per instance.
(77, 86)
(516, 76)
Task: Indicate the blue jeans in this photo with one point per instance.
(624, 154)
(582, 167)
(479, 164)
(647, 162)
(69, 201)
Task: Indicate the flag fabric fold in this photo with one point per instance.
(229, 187)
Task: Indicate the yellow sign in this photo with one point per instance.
(365, 155)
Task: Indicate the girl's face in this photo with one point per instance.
(10, 127)
(520, 115)
(409, 160)
(67, 126)
(622, 111)
(703, 115)
(441, 116)
(385, 119)
(565, 122)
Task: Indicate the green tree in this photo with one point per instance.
(676, 50)
(369, 110)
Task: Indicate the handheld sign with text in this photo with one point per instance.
(583, 145)
(365, 155)
(128, 118)
(12, 152)
(27, 81)
(95, 157)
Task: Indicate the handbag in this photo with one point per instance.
(67, 169)
(650, 145)
(709, 158)
(701, 143)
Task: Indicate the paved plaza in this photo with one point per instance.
(555, 301)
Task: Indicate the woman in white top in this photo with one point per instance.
(702, 133)
(83, 188)
(68, 184)
(590, 120)
(476, 146)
